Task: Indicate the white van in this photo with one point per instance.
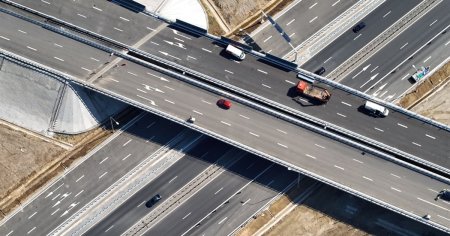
(376, 110)
(235, 52)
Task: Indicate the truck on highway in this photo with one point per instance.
(312, 91)
(420, 73)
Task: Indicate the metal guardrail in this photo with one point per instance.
(249, 149)
(53, 73)
(272, 59)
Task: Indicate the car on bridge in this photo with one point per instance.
(224, 103)
(155, 199)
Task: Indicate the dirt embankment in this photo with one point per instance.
(226, 17)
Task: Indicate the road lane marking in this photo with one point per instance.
(150, 125)
(101, 176)
(432, 23)
(220, 222)
(29, 217)
(95, 59)
(5, 38)
(281, 131)
(79, 193)
(173, 179)
(396, 176)
(253, 134)
(428, 58)
(109, 228)
(106, 158)
(31, 230)
(96, 8)
(338, 167)
(10, 232)
(347, 104)
(367, 178)
(157, 44)
(21, 31)
(292, 35)
(289, 82)
(186, 216)
(374, 69)
(140, 90)
(225, 123)
(34, 49)
(246, 202)
(244, 117)
(231, 72)
(359, 35)
(123, 159)
(169, 101)
(86, 69)
(192, 57)
(55, 211)
(123, 18)
(339, 114)
(447, 43)
(206, 102)
(250, 166)
(120, 30)
(404, 77)
(335, 3)
(125, 144)
(402, 125)
(197, 112)
(310, 156)
(313, 19)
(59, 59)
(444, 217)
(313, 5)
(404, 45)
(267, 86)
(265, 40)
(76, 181)
(206, 50)
(416, 144)
(262, 71)
(282, 145)
(319, 146)
(290, 22)
(432, 204)
(218, 191)
(358, 161)
(45, 2)
(389, 12)
(327, 60)
(178, 39)
(429, 136)
(379, 129)
(82, 15)
(395, 189)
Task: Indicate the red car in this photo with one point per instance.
(223, 103)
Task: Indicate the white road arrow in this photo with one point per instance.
(363, 69)
(371, 78)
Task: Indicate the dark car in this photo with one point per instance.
(444, 195)
(320, 71)
(359, 27)
(223, 103)
(153, 201)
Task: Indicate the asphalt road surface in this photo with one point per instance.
(399, 49)
(297, 146)
(349, 43)
(178, 175)
(397, 130)
(82, 184)
(219, 190)
(300, 21)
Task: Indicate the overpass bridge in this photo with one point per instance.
(278, 137)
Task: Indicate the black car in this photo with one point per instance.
(320, 71)
(153, 201)
(359, 27)
(444, 195)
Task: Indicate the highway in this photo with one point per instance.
(236, 179)
(345, 165)
(397, 130)
(349, 43)
(400, 49)
(300, 21)
(88, 179)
